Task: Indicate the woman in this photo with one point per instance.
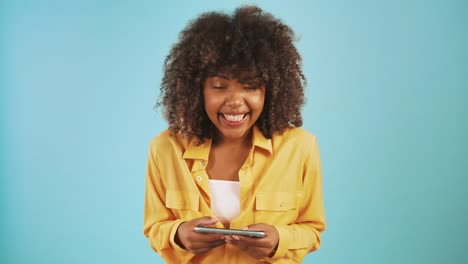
(234, 155)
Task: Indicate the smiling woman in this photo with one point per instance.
(234, 155)
(250, 46)
(232, 107)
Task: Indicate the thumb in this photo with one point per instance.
(206, 220)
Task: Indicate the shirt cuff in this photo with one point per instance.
(172, 236)
(284, 240)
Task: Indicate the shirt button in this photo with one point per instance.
(203, 163)
(199, 178)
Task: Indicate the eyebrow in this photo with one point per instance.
(221, 75)
(245, 80)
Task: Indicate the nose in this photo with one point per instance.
(235, 98)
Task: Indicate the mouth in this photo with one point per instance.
(234, 119)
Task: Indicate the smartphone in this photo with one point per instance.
(225, 231)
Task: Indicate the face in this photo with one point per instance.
(233, 106)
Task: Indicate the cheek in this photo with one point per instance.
(211, 105)
(258, 102)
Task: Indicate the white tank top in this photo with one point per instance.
(225, 200)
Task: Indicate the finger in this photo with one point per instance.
(206, 221)
(205, 237)
(229, 239)
(232, 242)
(204, 249)
(256, 227)
(194, 246)
(253, 242)
(252, 250)
(208, 244)
(214, 243)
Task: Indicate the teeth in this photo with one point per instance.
(234, 118)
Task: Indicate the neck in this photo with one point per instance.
(245, 141)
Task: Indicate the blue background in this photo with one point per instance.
(387, 98)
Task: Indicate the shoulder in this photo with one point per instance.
(167, 141)
(294, 136)
(296, 143)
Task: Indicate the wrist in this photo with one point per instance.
(177, 239)
(273, 252)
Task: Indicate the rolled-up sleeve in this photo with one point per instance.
(160, 225)
(302, 237)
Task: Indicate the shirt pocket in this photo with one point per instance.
(275, 208)
(177, 200)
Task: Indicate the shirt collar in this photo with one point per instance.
(259, 140)
(197, 152)
(202, 151)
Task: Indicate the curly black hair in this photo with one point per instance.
(251, 41)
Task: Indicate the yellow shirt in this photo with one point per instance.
(280, 185)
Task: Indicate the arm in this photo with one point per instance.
(302, 237)
(169, 235)
(160, 225)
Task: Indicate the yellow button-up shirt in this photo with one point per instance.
(280, 185)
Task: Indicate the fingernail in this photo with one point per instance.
(245, 228)
(235, 237)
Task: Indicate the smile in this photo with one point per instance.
(234, 120)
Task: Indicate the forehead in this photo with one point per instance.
(235, 73)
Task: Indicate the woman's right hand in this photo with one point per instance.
(198, 243)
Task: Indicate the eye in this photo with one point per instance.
(252, 86)
(217, 85)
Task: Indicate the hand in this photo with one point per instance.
(256, 247)
(197, 243)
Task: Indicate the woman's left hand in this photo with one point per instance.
(256, 247)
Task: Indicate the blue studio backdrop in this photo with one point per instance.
(387, 99)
